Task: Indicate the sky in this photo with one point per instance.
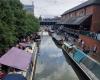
(51, 8)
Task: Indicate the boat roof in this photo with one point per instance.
(68, 45)
(16, 58)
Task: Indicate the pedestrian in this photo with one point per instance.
(79, 42)
(82, 44)
(94, 49)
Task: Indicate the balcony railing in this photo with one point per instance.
(91, 34)
(77, 32)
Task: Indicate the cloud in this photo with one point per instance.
(53, 55)
(62, 73)
(54, 7)
(39, 68)
(50, 8)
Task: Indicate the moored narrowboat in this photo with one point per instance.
(19, 61)
(87, 64)
(67, 47)
(57, 39)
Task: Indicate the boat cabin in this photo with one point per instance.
(67, 47)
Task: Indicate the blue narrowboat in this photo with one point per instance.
(87, 64)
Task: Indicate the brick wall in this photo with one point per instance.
(94, 10)
(89, 10)
(73, 14)
(96, 19)
(90, 43)
(64, 17)
(80, 12)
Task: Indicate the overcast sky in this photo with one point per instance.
(50, 8)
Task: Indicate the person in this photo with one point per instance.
(94, 49)
(79, 42)
(24, 40)
(86, 49)
(18, 46)
(82, 44)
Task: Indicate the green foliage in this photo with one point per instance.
(15, 23)
(32, 23)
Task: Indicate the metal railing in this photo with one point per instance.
(91, 34)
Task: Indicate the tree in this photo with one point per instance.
(7, 35)
(15, 23)
(32, 23)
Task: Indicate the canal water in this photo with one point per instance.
(51, 63)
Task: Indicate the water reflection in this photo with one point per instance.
(51, 64)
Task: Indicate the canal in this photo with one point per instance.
(51, 62)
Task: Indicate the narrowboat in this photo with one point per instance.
(57, 39)
(18, 61)
(87, 64)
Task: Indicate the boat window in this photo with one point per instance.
(92, 65)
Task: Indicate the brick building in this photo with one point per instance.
(84, 22)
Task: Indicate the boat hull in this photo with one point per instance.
(81, 67)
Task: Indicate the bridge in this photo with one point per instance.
(48, 21)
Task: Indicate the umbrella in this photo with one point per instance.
(14, 77)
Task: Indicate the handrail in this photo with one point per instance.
(91, 34)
